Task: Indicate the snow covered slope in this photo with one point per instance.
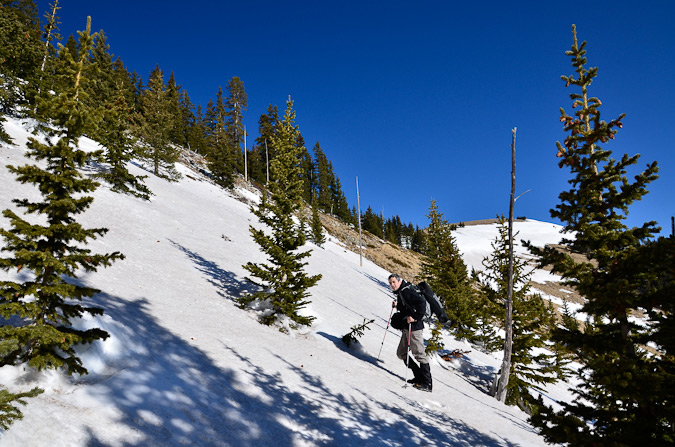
(185, 366)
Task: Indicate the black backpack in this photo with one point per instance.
(434, 305)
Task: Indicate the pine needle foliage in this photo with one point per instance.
(444, 270)
(155, 130)
(9, 410)
(435, 343)
(533, 363)
(114, 133)
(53, 253)
(317, 236)
(624, 393)
(283, 281)
(356, 332)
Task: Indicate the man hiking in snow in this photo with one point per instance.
(411, 306)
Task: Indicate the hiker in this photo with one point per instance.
(412, 307)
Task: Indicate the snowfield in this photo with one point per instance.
(185, 366)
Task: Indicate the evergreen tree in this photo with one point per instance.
(191, 133)
(435, 343)
(372, 222)
(44, 77)
(324, 179)
(445, 271)
(155, 127)
(176, 126)
(317, 235)
(340, 206)
(532, 364)
(53, 252)
(114, 134)
(624, 393)
(9, 411)
(221, 156)
(19, 57)
(198, 132)
(267, 128)
(307, 173)
(284, 283)
(102, 87)
(236, 104)
(418, 242)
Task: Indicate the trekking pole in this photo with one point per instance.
(407, 357)
(385, 332)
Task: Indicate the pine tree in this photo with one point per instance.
(435, 343)
(624, 394)
(9, 411)
(267, 128)
(176, 126)
(444, 270)
(317, 235)
(221, 156)
(356, 332)
(53, 252)
(339, 204)
(307, 173)
(114, 134)
(532, 363)
(236, 104)
(324, 179)
(20, 53)
(101, 87)
(284, 283)
(155, 127)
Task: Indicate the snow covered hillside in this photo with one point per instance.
(185, 366)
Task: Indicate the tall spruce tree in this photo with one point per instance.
(624, 393)
(283, 281)
(533, 362)
(267, 128)
(221, 155)
(114, 134)
(339, 206)
(53, 252)
(19, 57)
(316, 234)
(236, 104)
(446, 273)
(155, 127)
(176, 126)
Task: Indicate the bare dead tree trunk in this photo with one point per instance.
(500, 395)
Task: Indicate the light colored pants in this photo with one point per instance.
(416, 346)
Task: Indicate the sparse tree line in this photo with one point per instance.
(626, 391)
(625, 344)
(154, 119)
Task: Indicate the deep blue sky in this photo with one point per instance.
(418, 99)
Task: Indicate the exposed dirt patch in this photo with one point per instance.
(390, 257)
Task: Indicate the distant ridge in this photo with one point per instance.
(485, 221)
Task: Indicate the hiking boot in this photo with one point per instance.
(424, 382)
(423, 386)
(416, 371)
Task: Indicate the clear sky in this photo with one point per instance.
(418, 99)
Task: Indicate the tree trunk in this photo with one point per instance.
(508, 325)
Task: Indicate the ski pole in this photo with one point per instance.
(407, 357)
(385, 332)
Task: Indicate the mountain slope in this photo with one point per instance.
(185, 366)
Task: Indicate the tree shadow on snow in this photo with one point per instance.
(227, 284)
(163, 391)
(356, 352)
(380, 282)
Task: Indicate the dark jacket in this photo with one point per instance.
(409, 302)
